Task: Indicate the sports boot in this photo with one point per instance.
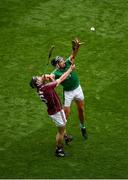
(68, 139)
(59, 152)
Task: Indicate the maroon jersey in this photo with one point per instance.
(50, 97)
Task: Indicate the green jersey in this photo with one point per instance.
(72, 81)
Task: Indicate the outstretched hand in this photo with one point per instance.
(75, 44)
(49, 77)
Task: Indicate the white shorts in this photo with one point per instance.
(59, 118)
(76, 94)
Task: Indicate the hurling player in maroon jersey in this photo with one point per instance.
(46, 92)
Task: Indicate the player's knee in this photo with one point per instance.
(61, 130)
(67, 111)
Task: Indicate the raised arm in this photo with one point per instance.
(75, 47)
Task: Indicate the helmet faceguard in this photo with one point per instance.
(56, 60)
(33, 82)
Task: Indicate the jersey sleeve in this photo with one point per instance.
(68, 61)
(56, 74)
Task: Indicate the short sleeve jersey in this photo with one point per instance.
(49, 96)
(72, 81)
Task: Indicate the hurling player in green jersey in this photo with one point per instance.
(71, 86)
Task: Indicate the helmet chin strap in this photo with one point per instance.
(58, 66)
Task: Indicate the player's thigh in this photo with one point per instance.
(79, 95)
(61, 129)
(67, 111)
(68, 98)
(59, 118)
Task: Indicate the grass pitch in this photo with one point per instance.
(27, 30)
